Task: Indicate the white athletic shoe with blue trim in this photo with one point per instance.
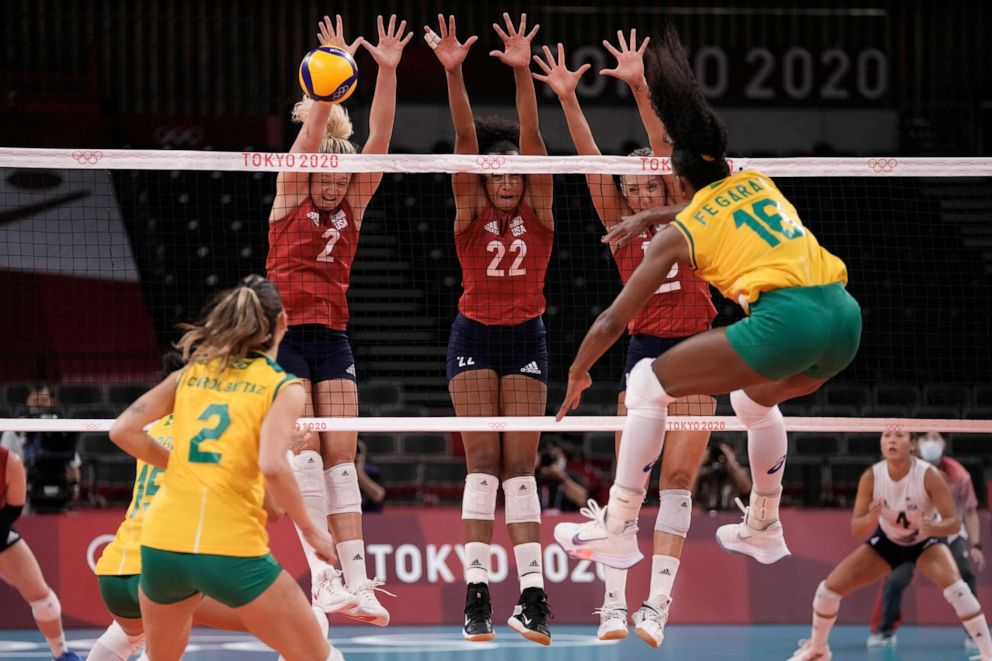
(592, 541)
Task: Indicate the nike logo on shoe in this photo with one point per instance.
(578, 541)
(526, 620)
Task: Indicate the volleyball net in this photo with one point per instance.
(103, 252)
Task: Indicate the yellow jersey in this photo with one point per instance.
(122, 557)
(210, 500)
(745, 238)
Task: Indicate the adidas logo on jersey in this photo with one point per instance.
(492, 227)
(314, 218)
(531, 368)
(351, 370)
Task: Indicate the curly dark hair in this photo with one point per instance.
(497, 135)
(699, 137)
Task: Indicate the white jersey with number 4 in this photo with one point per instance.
(905, 503)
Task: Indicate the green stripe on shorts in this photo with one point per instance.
(168, 577)
(799, 330)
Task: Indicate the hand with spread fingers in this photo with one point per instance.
(630, 59)
(332, 34)
(556, 74)
(449, 51)
(516, 43)
(388, 51)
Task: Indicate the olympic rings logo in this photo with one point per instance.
(87, 157)
(894, 426)
(91, 426)
(497, 426)
(883, 164)
(491, 162)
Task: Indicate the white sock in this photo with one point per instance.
(57, 645)
(978, 631)
(478, 562)
(530, 569)
(616, 586)
(663, 571)
(640, 447)
(308, 469)
(622, 509)
(100, 652)
(352, 557)
(114, 645)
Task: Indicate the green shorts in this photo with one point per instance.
(120, 594)
(168, 577)
(800, 330)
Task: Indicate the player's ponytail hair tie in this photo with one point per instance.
(707, 158)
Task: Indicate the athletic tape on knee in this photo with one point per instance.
(960, 597)
(645, 394)
(752, 414)
(674, 512)
(479, 497)
(522, 502)
(46, 609)
(826, 602)
(343, 494)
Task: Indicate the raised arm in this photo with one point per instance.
(516, 54)
(606, 197)
(293, 187)
(630, 69)
(451, 53)
(387, 54)
(665, 249)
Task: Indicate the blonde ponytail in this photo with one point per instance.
(337, 131)
(237, 322)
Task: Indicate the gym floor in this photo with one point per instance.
(571, 643)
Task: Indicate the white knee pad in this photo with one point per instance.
(522, 502)
(308, 469)
(826, 602)
(46, 609)
(959, 596)
(645, 394)
(479, 497)
(674, 512)
(343, 494)
(752, 414)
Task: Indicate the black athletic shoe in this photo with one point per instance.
(530, 616)
(478, 613)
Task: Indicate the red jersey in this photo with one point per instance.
(681, 307)
(310, 257)
(504, 256)
(4, 453)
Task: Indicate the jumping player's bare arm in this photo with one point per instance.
(451, 53)
(293, 187)
(516, 54)
(386, 53)
(666, 248)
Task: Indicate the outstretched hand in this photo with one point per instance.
(577, 384)
(630, 59)
(516, 43)
(388, 51)
(556, 75)
(333, 36)
(449, 51)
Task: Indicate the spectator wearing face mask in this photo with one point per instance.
(966, 546)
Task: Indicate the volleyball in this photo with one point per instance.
(328, 74)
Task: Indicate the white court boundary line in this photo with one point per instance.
(571, 424)
(138, 159)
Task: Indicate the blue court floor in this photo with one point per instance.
(571, 643)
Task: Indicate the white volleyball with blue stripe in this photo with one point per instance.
(328, 74)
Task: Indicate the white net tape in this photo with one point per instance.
(570, 424)
(128, 159)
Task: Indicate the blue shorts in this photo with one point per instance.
(645, 346)
(896, 554)
(520, 349)
(316, 353)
